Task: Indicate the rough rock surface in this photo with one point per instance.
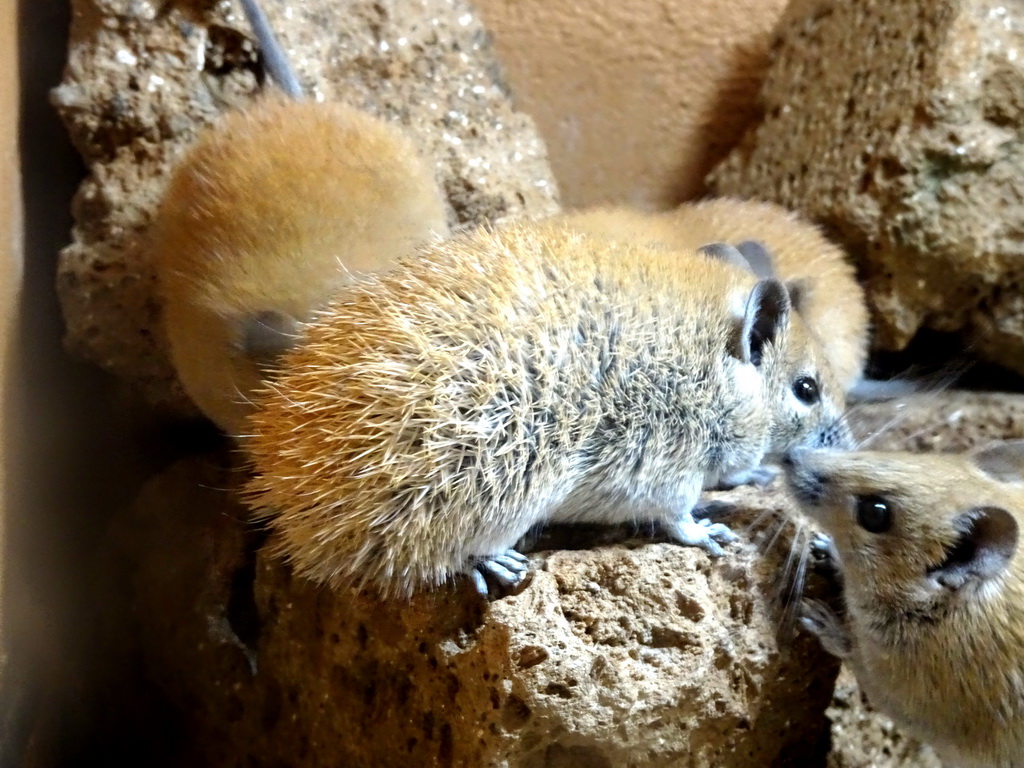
(144, 77)
(862, 737)
(898, 126)
(626, 652)
(623, 650)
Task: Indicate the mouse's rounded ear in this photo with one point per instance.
(765, 315)
(725, 252)
(759, 258)
(1002, 461)
(799, 291)
(987, 540)
(265, 336)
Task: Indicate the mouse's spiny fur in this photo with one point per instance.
(933, 589)
(435, 413)
(831, 300)
(269, 213)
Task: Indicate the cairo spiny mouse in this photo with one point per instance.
(776, 243)
(510, 377)
(271, 210)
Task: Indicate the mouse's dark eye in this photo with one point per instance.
(806, 390)
(874, 514)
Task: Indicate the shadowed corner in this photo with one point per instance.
(734, 110)
(66, 462)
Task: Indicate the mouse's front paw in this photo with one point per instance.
(759, 477)
(823, 558)
(822, 622)
(507, 570)
(703, 533)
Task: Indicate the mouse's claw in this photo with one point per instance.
(823, 558)
(814, 617)
(821, 547)
(479, 582)
(513, 561)
(498, 571)
(822, 552)
(508, 570)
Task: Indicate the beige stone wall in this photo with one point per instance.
(636, 100)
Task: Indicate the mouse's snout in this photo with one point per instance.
(807, 484)
(797, 458)
(838, 435)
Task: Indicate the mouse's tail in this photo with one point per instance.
(866, 389)
(275, 62)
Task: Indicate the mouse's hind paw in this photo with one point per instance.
(507, 570)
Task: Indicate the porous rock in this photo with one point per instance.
(625, 652)
(622, 650)
(143, 78)
(898, 126)
(862, 736)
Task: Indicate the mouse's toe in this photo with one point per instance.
(507, 571)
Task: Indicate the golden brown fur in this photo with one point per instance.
(934, 606)
(272, 210)
(832, 303)
(437, 412)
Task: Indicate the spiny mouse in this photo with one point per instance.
(928, 551)
(775, 242)
(523, 375)
(274, 208)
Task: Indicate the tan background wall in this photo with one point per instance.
(636, 98)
